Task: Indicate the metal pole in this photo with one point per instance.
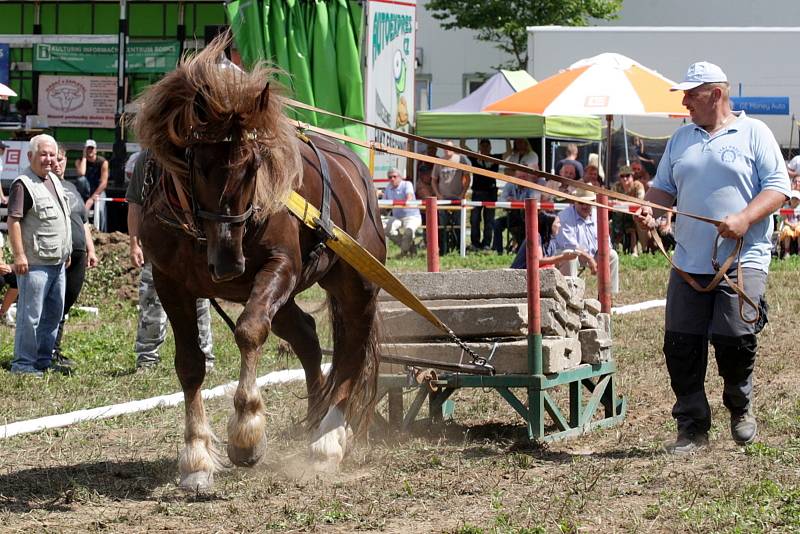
(462, 232)
(603, 252)
(625, 141)
(37, 30)
(543, 166)
(532, 255)
(553, 157)
(119, 153)
(791, 136)
(180, 32)
(432, 234)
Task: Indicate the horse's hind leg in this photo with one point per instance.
(351, 384)
(299, 329)
(199, 458)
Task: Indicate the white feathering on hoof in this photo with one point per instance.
(329, 440)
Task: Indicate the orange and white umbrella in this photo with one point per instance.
(5, 92)
(606, 84)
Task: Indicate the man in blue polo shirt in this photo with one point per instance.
(728, 167)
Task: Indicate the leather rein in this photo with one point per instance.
(721, 270)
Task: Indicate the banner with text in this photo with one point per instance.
(389, 79)
(15, 160)
(78, 101)
(142, 57)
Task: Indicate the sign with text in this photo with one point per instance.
(389, 76)
(15, 160)
(78, 101)
(142, 57)
(5, 61)
(761, 105)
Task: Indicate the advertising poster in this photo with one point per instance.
(78, 101)
(14, 160)
(5, 60)
(389, 80)
(80, 58)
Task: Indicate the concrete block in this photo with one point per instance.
(489, 320)
(588, 320)
(592, 306)
(464, 284)
(604, 324)
(551, 309)
(552, 284)
(595, 346)
(577, 288)
(510, 357)
(397, 305)
(560, 353)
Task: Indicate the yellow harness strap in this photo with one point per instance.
(361, 260)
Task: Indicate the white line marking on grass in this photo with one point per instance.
(639, 306)
(163, 401)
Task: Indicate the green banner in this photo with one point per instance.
(142, 57)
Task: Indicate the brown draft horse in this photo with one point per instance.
(223, 136)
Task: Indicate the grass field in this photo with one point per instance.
(477, 473)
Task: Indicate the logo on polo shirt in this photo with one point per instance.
(728, 154)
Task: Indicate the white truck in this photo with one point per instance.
(761, 64)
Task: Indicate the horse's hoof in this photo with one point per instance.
(329, 448)
(198, 481)
(247, 457)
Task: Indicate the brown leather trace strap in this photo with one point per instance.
(720, 274)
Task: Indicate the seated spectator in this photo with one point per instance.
(591, 175)
(7, 278)
(522, 153)
(594, 159)
(569, 170)
(624, 231)
(549, 226)
(579, 233)
(403, 223)
(572, 159)
(514, 219)
(790, 229)
(640, 174)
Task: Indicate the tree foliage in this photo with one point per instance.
(503, 22)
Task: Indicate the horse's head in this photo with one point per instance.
(222, 133)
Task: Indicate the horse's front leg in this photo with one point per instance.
(199, 459)
(246, 426)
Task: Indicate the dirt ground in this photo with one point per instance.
(476, 473)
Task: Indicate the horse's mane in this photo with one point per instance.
(202, 101)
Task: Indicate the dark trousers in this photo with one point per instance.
(691, 320)
(75, 276)
(514, 222)
(449, 230)
(482, 239)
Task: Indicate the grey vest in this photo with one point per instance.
(46, 232)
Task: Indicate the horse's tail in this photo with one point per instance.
(363, 376)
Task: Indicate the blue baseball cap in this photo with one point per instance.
(698, 74)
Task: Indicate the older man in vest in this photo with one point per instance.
(41, 240)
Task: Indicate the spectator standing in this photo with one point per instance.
(40, 236)
(594, 159)
(7, 278)
(514, 219)
(423, 187)
(572, 159)
(484, 189)
(641, 174)
(523, 154)
(579, 233)
(152, 330)
(726, 166)
(83, 253)
(403, 223)
(93, 170)
(449, 183)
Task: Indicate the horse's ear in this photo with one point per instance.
(263, 99)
